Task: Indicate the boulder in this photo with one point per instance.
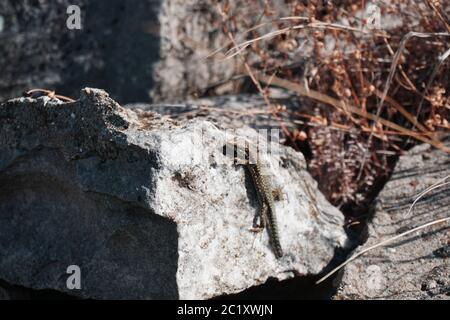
(146, 207)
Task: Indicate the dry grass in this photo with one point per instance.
(381, 244)
(436, 185)
(387, 87)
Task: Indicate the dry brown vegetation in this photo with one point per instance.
(369, 91)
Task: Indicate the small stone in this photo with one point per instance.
(429, 285)
(432, 284)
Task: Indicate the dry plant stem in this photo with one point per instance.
(396, 59)
(315, 25)
(252, 29)
(394, 64)
(436, 68)
(343, 107)
(51, 94)
(433, 75)
(256, 82)
(436, 185)
(441, 14)
(403, 111)
(400, 67)
(380, 244)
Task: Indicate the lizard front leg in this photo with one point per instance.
(262, 213)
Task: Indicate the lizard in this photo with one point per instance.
(265, 197)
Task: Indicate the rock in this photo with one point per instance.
(113, 50)
(8, 292)
(146, 207)
(234, 111)
(191, 30)
(4, 294)
(138, 50)
(416, 266)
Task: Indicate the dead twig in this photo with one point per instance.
(318, 96)
(380, 244)
(50, 94)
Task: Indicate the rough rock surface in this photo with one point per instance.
(4, 294)
(416, 266)
(193, 29)
(115, 50)
(234, 111)
(146, 207)
(137, 50)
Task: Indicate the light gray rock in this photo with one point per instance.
(416, 266)
(146, 207)
(235, 111)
